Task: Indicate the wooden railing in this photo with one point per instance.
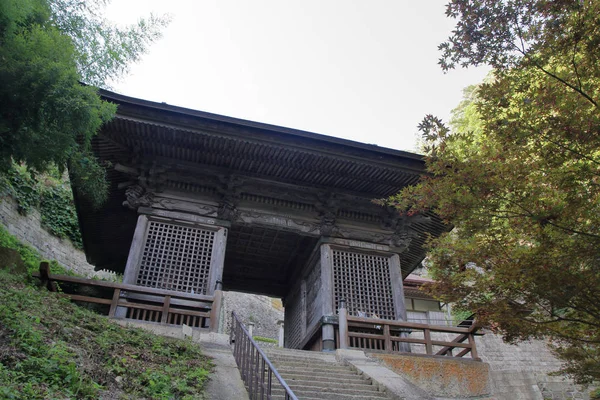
(256, 369)
(396, 336)
(140, 303)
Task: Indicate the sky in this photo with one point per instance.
(360, 70)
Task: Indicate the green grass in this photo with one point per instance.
(53, 349)
(264, 339)
(31, 258)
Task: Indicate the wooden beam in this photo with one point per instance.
(128, 287)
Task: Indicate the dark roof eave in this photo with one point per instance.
(119, 98)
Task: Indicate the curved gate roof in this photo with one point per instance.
(205, 143)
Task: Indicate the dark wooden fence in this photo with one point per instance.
(390, 336)
(255, 368)
(141, 303)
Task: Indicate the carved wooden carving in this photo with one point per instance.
(137, 196)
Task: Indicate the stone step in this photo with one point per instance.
(300, 354)
(354, 385)
(366, 390)
(309, 365)
(318, 376)
(303, 393)
(343, 374)
(285, 357)
(349, 380)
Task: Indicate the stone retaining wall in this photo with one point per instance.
(28, 229)
(440, 376)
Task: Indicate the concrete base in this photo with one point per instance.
(440, 376)
(225, 381)
(178, 332)
(397, 387)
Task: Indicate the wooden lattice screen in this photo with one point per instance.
(176, 257)
(364, 281)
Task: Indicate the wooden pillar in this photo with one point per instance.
(215, 311)
(343, 324)
(133, 259)
(398, 293)
(217, 260)
(397, 287)
(137, 245)
(328, 330)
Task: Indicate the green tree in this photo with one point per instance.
(47, 48)
(519, 176)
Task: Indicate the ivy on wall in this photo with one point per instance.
(50, 193)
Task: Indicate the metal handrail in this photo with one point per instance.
(254, 364)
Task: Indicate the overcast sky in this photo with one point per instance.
(360, 70)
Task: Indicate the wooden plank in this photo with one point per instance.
(463, 352)
(181, 312)
(138, 306)
(128, 287)
(77, 297)
(450, 344)
(365, 335)
(458, 339)
(401, 339)
(408, 325)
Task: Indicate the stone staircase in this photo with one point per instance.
(318, 376)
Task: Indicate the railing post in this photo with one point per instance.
(114, 303)
(428, 346)
(215, 310)
(165, 310)
(45, 276)
(387, 338)
(473, 347)
(343, 324)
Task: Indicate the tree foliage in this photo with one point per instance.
(47, 48)
(518, 176)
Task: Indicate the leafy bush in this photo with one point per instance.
(51, 194)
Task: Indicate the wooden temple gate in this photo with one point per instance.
(197, 198)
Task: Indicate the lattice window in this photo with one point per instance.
(176, 257)
(364, 281)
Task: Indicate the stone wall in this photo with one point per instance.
(521, 371)
(441, 376)
(28, 229)
(262, 311)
